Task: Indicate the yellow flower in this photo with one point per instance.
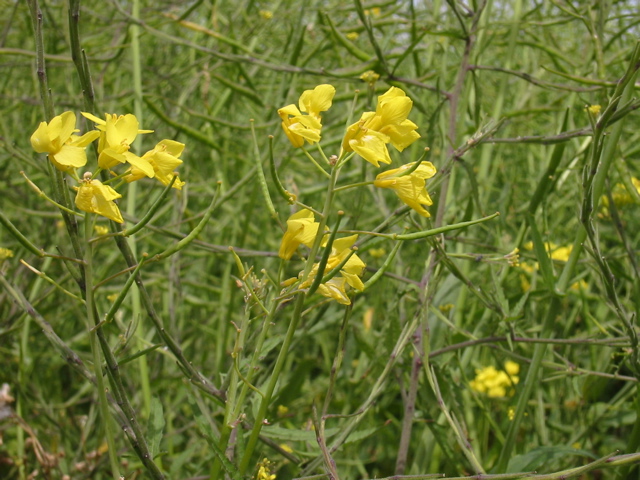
(594, 109)
(5, 253)
(496, 383)
(411, 187)
(353, 36)
(266, 14)
(94, 197)
(66, 150)
(164, 159)
(620, 195)
(264, 470)
(301, 228)
(388, 124)
(299, 127)
(117, 133)
(351, 271)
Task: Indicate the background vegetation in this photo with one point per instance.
(500, 91)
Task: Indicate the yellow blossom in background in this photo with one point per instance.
(620, 195)
(57, 139)
(594, 109)
(286, 448)
(117, 133)
(411, 187)
(164, 159)
(100, 230)
(5, 253)
(367, 318)
(511, 413)
(350, 273)
(95, 197)
(353, 36)
(446, 308)
(266, 14)
(496, 383)
(264, 470)
(282, 410)
(375, 11)
(301, 229)
(377, 252)
(299, 127)
(388, 124)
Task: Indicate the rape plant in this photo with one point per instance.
(402, 242)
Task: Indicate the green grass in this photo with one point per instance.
(208, 363)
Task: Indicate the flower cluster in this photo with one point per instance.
(496, 383)
(115, 134)
(368, 138)
(303, 229)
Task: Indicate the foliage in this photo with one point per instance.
(181, 345)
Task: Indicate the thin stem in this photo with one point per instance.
(92, 320)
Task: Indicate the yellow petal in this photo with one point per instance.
(372, 148)
(335, 289)
(40, 140)
(94, 197)
(140, 163)
(317, 100)
(68, 157)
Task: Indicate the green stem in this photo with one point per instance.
(92, 320)
(297, 314)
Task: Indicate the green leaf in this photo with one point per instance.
(538, 457)
(155, 426)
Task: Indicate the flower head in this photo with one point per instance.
(301, 229)
(164, 159)
(388, 124)
(299, 127)
(496, 383)
(95, 197)
(117, 133)
(350, 273)
(66, 150)
(410, 187)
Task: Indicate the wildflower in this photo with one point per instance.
(594, 109)
(5, 253)
(621, 195)
(95, 197)
(264, 470)
(353, 36)
(301, 228)
(299, 127)
(377, 252)
(286, 448)
(101, 230)
(496, 383)
(282, 410)
(375, 11)
(411, 187)
(350, 273)
(164, 159)
(266, 14)
(511, 413)
(66, 150)
(117, 133)
(388, 124)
